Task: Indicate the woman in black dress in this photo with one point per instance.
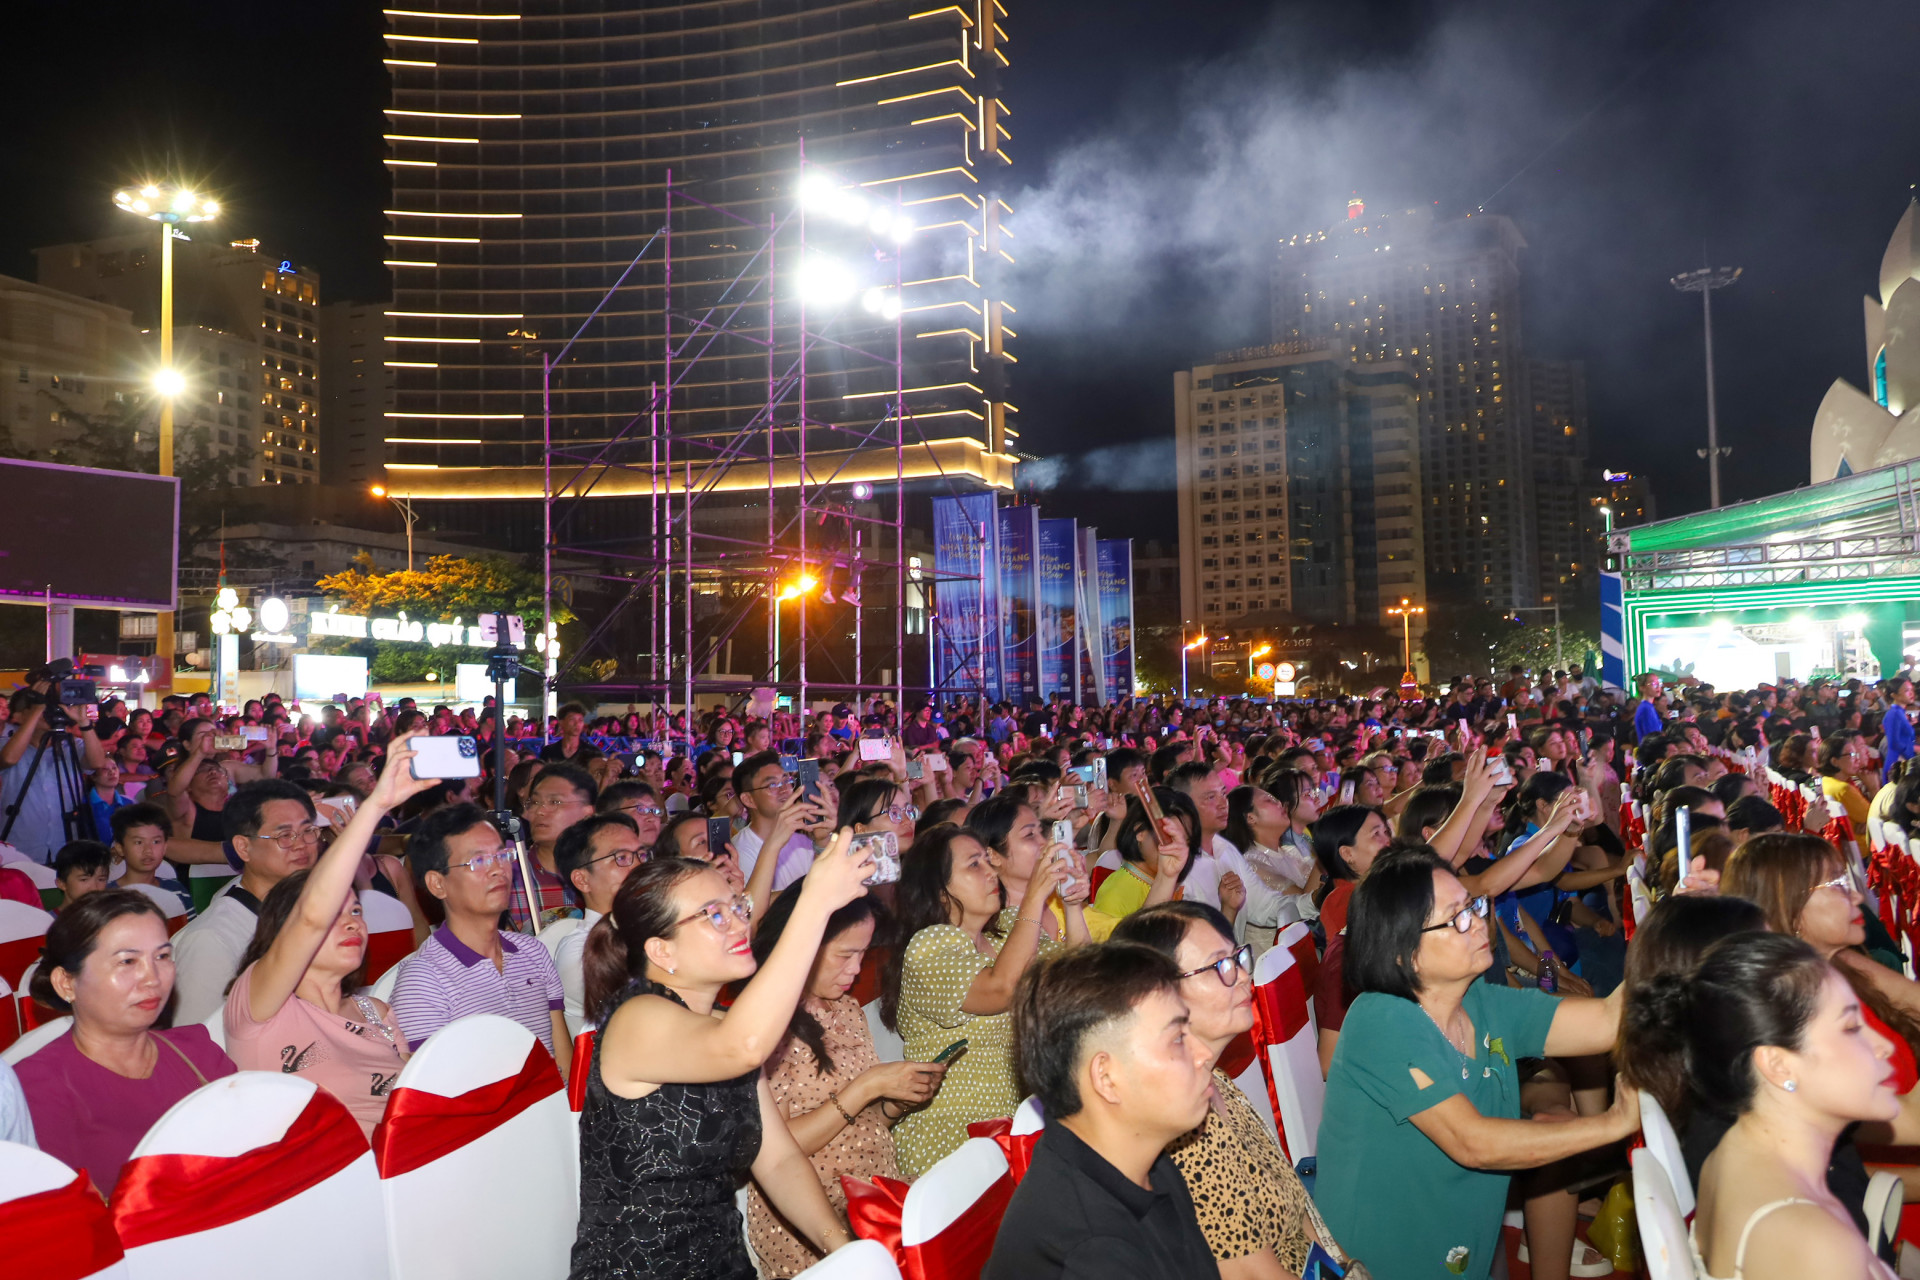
(677, 1115)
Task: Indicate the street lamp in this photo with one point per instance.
(1704, 282)
(1406, 609)
(404, 505)
(791, 591)
(169, 205)
(1184, 650)
(1261, 652)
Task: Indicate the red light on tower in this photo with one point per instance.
(1356, 208)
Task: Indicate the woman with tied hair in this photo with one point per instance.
(1807, 891)
(95, 1091)
(677, 1113)
(1010, 829)
(1259, 825)
(1765, 1031)
(1346, 840)
(1846, 775)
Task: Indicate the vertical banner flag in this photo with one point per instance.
(1115, 572)
(1020, 601)
(1059, 569)
(1093, 636)
(962, 619)
(1613, 633)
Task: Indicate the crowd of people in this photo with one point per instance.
(1045, 901)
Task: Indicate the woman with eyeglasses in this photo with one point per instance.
(1422, 1124)
(293, 1006)
(1255, 1213)
(1808, 891)
(677, 1113)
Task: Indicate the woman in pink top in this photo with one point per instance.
(96, 1091)
(292, 1008)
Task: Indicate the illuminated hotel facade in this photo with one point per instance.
(531, 146)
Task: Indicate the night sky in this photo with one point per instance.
(1156, 163)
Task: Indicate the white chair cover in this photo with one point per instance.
(168, 901)
(383, 989)
(945, 1191)
(40, 873)
(35, 1040)
(1663, 1228)
(861, 1260)
(886, 1042)
(21, 930)
(435, 1233)
(1637, 891)
(336, 1228)
(25, 1171)
(1297, 1082)
(1661, 1139)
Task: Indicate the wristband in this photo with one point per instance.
(846, 1115)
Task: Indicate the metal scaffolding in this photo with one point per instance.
(824, 460)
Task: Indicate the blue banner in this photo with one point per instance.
(1019, 601)
(1059, 580)
(1115, 573)
(1613, 634)
(966, 629)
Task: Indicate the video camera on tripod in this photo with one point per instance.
(68, 686)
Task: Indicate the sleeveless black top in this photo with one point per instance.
(658, 1176)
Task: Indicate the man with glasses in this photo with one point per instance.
(595, 857)
(638, 801)
(470, 965)
(270, 824)
(777, 818)
(562, 795)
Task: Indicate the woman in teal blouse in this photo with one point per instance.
(1422, 1123)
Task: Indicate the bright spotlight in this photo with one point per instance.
(862, 491)
(873, 299)
(149, 191)
(890, 307)
(881, 222)
(849, 207)
(816, 190)
(825, 282)
(169, 383)
(902, 229)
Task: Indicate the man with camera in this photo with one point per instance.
(37, 807)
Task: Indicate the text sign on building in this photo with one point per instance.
(400, 630)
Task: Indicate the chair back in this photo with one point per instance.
(1289, 1043)
(389, 932)
(32, 1042)
(52, 1224)
(861, 1260)
(205, 880)
(1883, 1204)
(9, 1015)
(1661, 1139)
(255, 1173)
(886, 1041)
(554, 934)
(1663, 1228)
(1876, 833)
(1029, 1117)
(169, 903)
(482, 1095)
(382, 989)
(23, 930)
(1298, 939)
(1637, 889)
(951, 1215)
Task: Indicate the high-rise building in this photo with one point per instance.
(62, 359)
(531, 150)
(1558, 393)
(356, 391)
(1444, 299)
(268, 304)
(1298, 476)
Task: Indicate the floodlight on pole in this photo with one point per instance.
(1406, 609)
(168, 204)
(801, 584)
(404, 505)
(1704, 282)
(1261, 652)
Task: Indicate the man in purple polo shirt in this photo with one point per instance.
(469, 965)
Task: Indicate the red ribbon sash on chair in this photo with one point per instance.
(62, 1234)
(957, 1253)
(161, 1197)
(1279, 1014)
(1016, 1147)
(420, 1127)
(17, 956)
(582, 1069)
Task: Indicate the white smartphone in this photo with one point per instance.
(875, 749)
(937, 761)
(885, 847)
(447, 757)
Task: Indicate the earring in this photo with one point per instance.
(1789, 1086)
(671, 970)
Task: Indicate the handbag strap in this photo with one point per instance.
(197, 1073)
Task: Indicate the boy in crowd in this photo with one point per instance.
(140, 835)
(81, 868)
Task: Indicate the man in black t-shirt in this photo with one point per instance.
(1100, 1035)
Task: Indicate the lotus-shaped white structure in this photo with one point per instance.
(1857, 430)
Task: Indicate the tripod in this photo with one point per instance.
(503, 664)
(69, 785)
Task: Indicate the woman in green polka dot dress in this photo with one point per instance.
(954, 980)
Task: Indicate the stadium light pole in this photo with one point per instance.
(169, 205)
(1704, 282)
